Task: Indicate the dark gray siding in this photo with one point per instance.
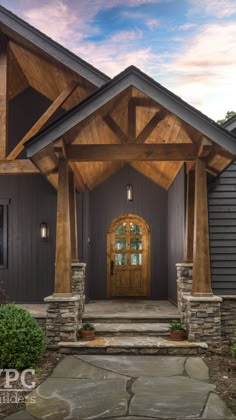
(109, 201)
(30, 273)
(176, 225)
(222, 227)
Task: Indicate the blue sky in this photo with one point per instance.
(189, 46)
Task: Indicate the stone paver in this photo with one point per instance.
(80, 398)
(126, 387)
(197, 369)
(136, 366)
(72, 367)
(169, 397)
(217, 409)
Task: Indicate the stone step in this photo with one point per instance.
(131, 329)
(145, 345)
(123, 319)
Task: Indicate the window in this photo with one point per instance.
(3, 233)
(128, 244)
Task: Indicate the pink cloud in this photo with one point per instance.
(217, 8)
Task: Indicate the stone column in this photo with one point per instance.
(78, 284)
(184, 286)
(204, 320)
(62, 321)
(228, 320)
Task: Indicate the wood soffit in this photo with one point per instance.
(130, 123)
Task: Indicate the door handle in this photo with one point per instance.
(112, 268)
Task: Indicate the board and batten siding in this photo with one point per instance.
(108, 201)
(222, 231)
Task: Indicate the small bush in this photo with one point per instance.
(88, 327)
(233, 350)
(21, 339)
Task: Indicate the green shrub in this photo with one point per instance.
(88, 327)
(21, 339)
(233, 350)
(176, 325)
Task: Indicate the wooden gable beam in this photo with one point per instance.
(115, 128)
(59, 101)
(131, 120)
(78, 179)
(147, 130)
(14, 167)
(145, 102)
(129, 152)
(3, 95)
(205, 148)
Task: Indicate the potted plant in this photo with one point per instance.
(87, 331)
(177, 330)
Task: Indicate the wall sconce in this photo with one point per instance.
(129, 192)
(44, 231)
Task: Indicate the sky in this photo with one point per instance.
(189, 46)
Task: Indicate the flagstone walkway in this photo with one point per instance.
(126, 387)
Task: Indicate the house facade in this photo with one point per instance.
(118, 175)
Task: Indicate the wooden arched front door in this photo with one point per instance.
(128, 257)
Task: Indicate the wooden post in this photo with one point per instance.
(3, 95)
(189, 218)
(201, 255)
(63, 237)
(73, 218)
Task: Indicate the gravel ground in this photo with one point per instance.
(223, 375)
(44, 369)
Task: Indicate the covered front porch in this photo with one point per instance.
(133, 121)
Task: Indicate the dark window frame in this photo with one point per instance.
(5, 203)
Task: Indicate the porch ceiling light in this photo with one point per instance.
(44, 231)
(129, 192)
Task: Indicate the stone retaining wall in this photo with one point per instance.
(228, 320)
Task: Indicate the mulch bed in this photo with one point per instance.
(43, 370)
(223, 375)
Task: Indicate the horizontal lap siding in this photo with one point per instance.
(222, 229)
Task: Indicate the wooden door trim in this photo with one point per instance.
(111, 228)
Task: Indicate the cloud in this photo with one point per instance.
(187, 26)
(152, 24)
(204, 69)
(216, 8)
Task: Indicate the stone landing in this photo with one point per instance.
(133, 345)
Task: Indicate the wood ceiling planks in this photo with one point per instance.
(17, 79)
(48, 78)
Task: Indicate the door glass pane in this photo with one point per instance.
(1, 235)
(121, 230)
(136, 259)
(136, 243)
(135, 229)
(120, 243)
(120, 259)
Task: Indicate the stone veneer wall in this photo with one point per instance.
(184, 287)
(201, 315)
(204, 320)
(64, 314)
(228, 320)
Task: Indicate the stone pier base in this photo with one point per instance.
(207, 318)
(63, 319)
(203, 320)
(184, 287)
(228, 320)
(64, 314)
